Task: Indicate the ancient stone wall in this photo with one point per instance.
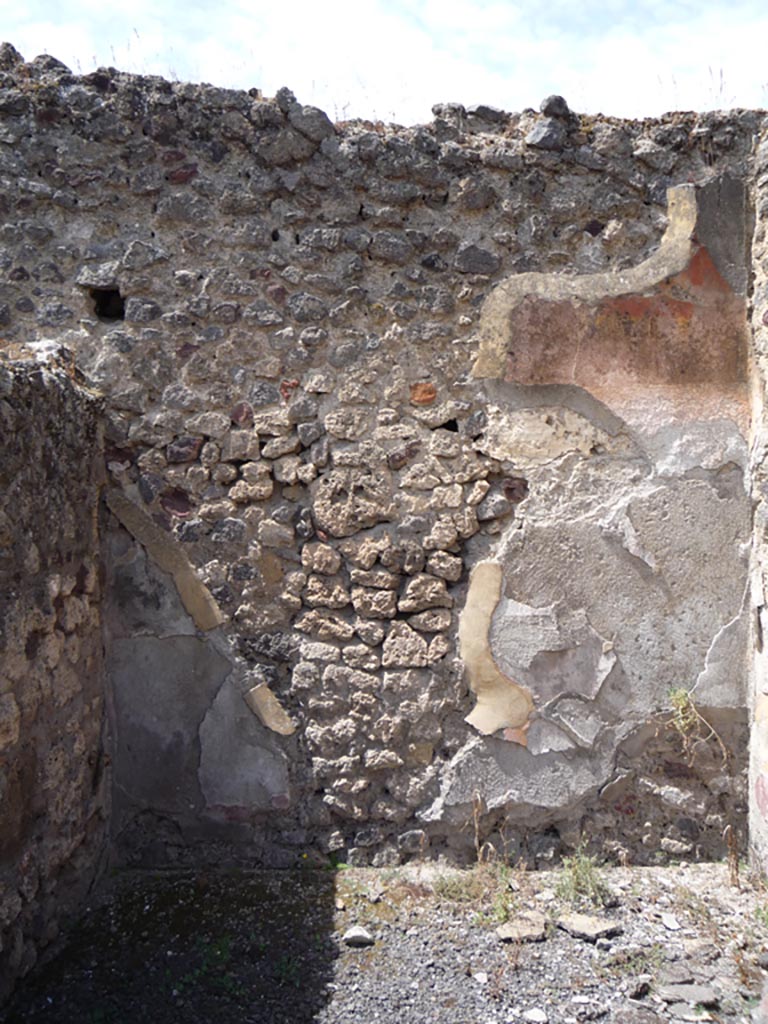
(53, 790)
(424, 491)
(758, 693)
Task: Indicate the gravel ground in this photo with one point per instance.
(682, 944)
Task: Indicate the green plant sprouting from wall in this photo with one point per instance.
(686, 719)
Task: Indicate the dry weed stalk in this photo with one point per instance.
(729, 835)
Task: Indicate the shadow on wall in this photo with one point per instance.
(193, 761)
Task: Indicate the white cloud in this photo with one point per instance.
(395, 58)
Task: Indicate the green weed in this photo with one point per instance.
(685, 718)
(581, 881)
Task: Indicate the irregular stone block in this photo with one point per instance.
(361, 656)
(382, 760)
(404, 647)
(343, 679)
(473, 259)
(348, 500)
(530, 926)
(306, 308)
(348, 424)
(286, 470)
(554, 106)
(276, 447)
(325, 625)
(439, 647)
(586, 926)
(240, 446)
(547, 134)
(228, 531)
(374, 604)
(98, 275)
(391, 247)
(321, 558)
(424, 591)
(326, 592)
(184, 449)
(434, 620)
(369, 631)
(445, 565)
(311, 121)
(275, 535)
(379, 579)
(141, 310)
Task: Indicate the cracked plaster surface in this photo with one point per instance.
(192, 734)
(624, 574)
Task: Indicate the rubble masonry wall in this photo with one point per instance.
(54, 790)
(309, 452)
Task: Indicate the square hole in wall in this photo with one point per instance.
(108, 304)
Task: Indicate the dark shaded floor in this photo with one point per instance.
(242, 947)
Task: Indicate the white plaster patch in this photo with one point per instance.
(551, 650)
(721, 683)
(579, 721)
(618, 525)
(545, 737)
(238, 769)
(708, 445)
(533, 437)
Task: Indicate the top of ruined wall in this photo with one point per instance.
(118, 179)
(172, 139)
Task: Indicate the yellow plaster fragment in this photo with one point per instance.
(501, 702)
(265, 705)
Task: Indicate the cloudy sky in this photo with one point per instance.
(392, 59)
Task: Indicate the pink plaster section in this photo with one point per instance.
(679, 349)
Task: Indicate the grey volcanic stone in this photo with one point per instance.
(310, 121)
(555, 106)
(485, 113)
(263, 393)
(547, 134)
(472, 259)
(142, 310)
(307, 308)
